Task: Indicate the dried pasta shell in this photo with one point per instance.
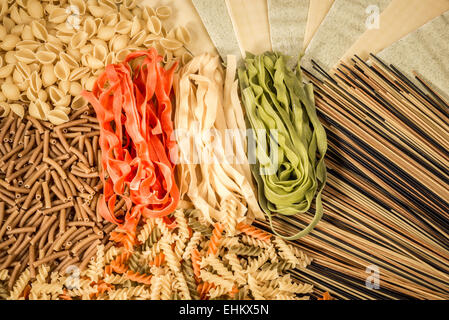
(10, 57)
(3, 32)
(55, 94)
(62, 70)
(26, 56)
(3, 7)
(58, 15)
(27, 44)
(183, 35)
(32, 95)
(17, 109)
(150, 39)
(64, 86)
(39, 30)
(22, 3)
(87, 49)
(39, 109)
(8, 23)
(171, 44)
(14, 14)
(48, 75)
(171, 34)
(106, 33)
(89, 83)
(147, 12)
(78, 102)
(35, 9)
(11, 91)
(45, 57)
(65, 37)
(23, 97)
(2, 97)
(121, 55)
(125, 13)
(129, 4)
(78, 39)
(6, 71)
(17, 30)
(75, 89)
(64, 101)
(66, 110)
(35, 82)
(111, 19)
(5, 109)
(24, 16)
(97, 11)
(135, 27)
(80, 6)
(99, 42)
(17, 77)
(97, 72)
(42, 95)
(23, 69)
(163, 12)
(9, 42)
(27, 34)
(65, 28)
(94, 63)
(74, 53)
(110, 58)
(57, 117)
(90, 27)
(124, 27)
(138, 39)
(69, 60)
(154, 25)
(78, 73)
(168, 57)
(108, 5)
(52, 47)
(100, 52)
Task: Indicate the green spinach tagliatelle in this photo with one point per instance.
(289, 138)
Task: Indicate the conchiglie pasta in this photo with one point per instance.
(48, 75)
(6, 71)
(39, 30)
(10, 90)
(9, 42)
(57, 117)
(45, 57)
(163, 12)
(51, 51)
(4, 109)
(62, 70)
(17, 109)
(39, 109)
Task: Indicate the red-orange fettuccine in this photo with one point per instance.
(133, 107)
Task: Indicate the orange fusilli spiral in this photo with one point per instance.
(254, 232)
(158, 260)
(196, 259)
(204, 288)
(214, 242)
(139, 277)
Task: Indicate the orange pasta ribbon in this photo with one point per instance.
(132, 101)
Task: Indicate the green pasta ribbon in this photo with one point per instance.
(289, 141)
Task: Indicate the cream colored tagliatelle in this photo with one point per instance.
(50, 51)
(213, 168)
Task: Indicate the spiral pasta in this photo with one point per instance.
(172, 266)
